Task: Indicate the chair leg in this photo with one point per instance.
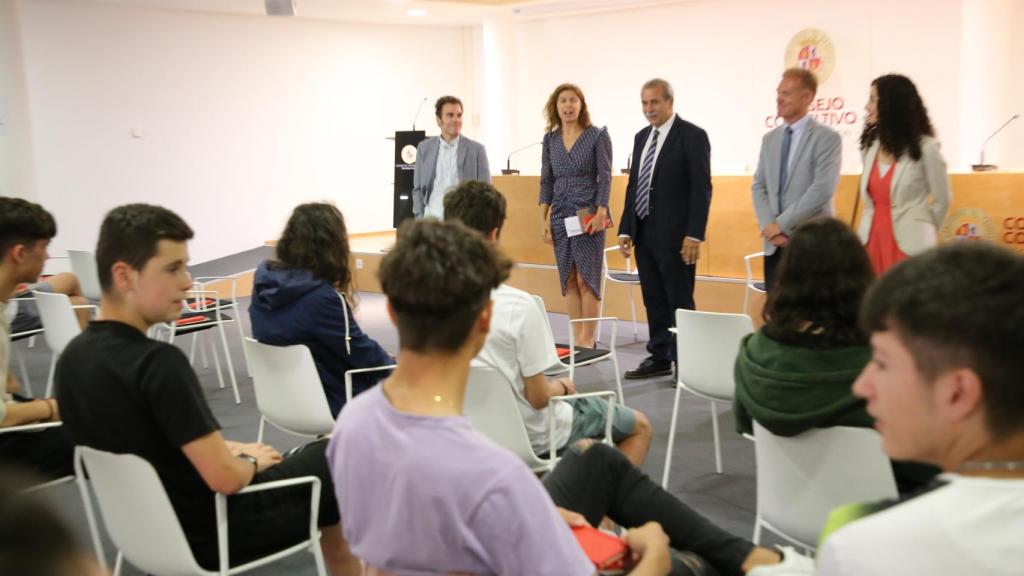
(202, 353)
(671, 439)
(259, 435)
(49, 379)
(746, 297)
(216, 361)
(231, 366)
(632, 310)
(318, 557)
(618, 379)
(756, 539)
(192, 349)
(118, 563)
(718, 445)
(90, 518)
(241, 342)
(25, 382)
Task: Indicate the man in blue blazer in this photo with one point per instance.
(798, 170)
(665, 216)
(442, 162)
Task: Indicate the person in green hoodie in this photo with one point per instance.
(796, 373)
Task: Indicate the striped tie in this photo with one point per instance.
(643, 190)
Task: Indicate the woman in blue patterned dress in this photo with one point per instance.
(576, 173)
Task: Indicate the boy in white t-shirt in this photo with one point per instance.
(520, 347)
(944, 387)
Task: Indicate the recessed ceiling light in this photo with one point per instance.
(416, 12)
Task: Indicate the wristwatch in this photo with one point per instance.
(251, 458)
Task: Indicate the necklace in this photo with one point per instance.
(988, 465)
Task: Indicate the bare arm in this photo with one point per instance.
(222, 471)
(20, 413)
(539, 390)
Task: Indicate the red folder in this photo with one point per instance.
(604, 550)
(562, 351)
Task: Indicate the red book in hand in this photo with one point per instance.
(604, 550)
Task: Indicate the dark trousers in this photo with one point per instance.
(771, 264)
(265, 522)
(47, 453)
(599, 481)
(667, 284)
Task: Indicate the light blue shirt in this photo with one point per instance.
(446, 176)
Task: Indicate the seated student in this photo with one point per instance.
(27, 317)
(304, 296)
(123, 392)
(521, 349)
(796, 373)
(944, 386)
(422, 492)
(25, 233)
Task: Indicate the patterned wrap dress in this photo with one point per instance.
(572, 180)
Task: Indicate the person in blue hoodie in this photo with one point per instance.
(304, 296)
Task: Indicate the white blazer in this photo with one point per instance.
(920, 197)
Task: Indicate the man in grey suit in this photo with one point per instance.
(442, 162)
(798, 170)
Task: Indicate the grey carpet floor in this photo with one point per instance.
(728, 499)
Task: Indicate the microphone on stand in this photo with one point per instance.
(508, 171)
(981, 166)
(629, 163)
(418, 110)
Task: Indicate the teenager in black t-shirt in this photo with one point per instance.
(122, 392)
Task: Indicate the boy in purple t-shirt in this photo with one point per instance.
(422, 492)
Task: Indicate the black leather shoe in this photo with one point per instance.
(650, 368)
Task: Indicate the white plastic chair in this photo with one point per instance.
(490, 404)
(144, 527)
(201, 283)
(758, 287)
(60, 325)
(706, 347)
(630, 277)
(213, 318)
(800, 479)
(584, 357)
(83, 266)
(289, 394)
(11, 311)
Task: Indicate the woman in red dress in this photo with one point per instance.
(904, 187)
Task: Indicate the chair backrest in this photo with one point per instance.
(491, 406)
(706, 347)
(137, 512)
(83, 265)
(60, 324)
(800, 479)
(288, 389)
(544, 312)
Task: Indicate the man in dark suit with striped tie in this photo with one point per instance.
(665, 216)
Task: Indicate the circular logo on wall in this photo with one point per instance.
(968, 224)
(409, 154)
(812, 49)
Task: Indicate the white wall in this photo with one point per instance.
(724, 59)
(16, 168)
(239, 118)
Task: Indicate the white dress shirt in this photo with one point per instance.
(446, 176)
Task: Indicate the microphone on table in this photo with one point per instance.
(508, 171)
(418, 110)
(629, 163)
(981, 166)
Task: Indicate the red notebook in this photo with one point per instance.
(205, 303)
(562, 351)
(606, 551)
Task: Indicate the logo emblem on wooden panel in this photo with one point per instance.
(812, 49)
